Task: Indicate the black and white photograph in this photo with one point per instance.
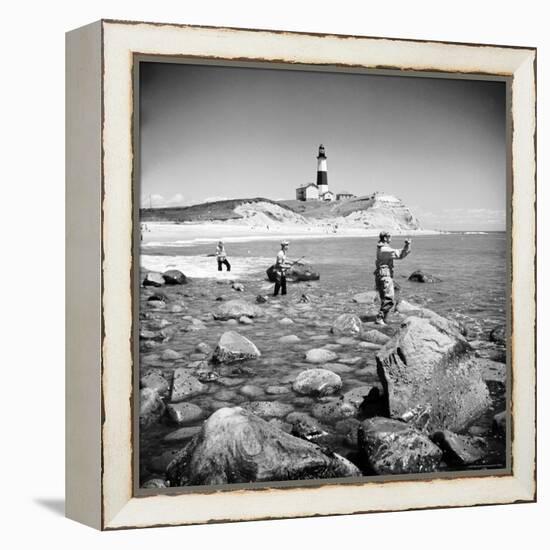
(323, 271)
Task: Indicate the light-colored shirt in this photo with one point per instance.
(220, 252)
(385, 254)
(280, 260)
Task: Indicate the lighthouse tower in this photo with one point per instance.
(322, 180)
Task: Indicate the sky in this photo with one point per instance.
(210, 133)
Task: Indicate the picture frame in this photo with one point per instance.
(101, 271)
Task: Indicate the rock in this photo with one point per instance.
(234, 309)
(245, 320)
(460, 450)
(251, 391)
(369, 298)
(158, 296)
(160, 463)
(421, 277)
(338, 368)
(304, 426)
(446, 325)
(233, 321)
(233, 347)
(289, 339)
(195, 325)
(184, 413)
(369, 345)
(174, 277)
(498, 335)
(261, 299)
(276, 390)
(150, 335)
(151, 407)
(299, 272)
(235, 446)
(492, 371)
(156, 304)
(430, 378)
(170, 355)
(268, 409)
(333, 410)
(153, 279)
(239, 287)
(185, 385)
(155, 381)
(348, 428)
(304, 299)
(347, 324)
(286, 321)
(317, 382)
(375, 337)
(319, 355)
(356, 396)
(499, 423)
(203, 348)
(176, 308)
(394, 447)
(155, 483)
(182, 434)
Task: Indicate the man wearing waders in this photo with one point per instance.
(281, 265)
(222, 257)
(385, 255)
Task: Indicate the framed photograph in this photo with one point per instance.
(300, 274)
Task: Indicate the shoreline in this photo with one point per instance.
(158, 234)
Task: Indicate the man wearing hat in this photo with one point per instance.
(222, 257)
(281, 265)
(385, 255)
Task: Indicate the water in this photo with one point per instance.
(472, 269)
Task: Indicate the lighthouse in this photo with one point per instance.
(322, 179)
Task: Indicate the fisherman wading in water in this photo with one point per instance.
(281, 266)
(222, 257)
(385, 255)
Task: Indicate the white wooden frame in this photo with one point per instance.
(99, 267)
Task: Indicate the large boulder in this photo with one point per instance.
(447, 325)
(394, 447)
(151, 407)
(297, 273)
(421, 277)
(317, 382)
(234, 309)
(236, 446)
(233, 347)
(430, 378)
(347, 324)
(174, 277)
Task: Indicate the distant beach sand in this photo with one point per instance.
(157, 234)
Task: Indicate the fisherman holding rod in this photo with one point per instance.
(383, 274)
(281, 267)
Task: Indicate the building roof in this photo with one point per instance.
(306, 185)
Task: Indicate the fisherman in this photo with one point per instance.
(222, 257)
(385, 255)
(281, 266)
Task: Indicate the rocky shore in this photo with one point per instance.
(237, 386)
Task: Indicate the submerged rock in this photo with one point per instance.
(369, 298)
(239, 287)
(233, 347)
(317, 382)
(430, 379)
(184, 413)
(375, 337)
(394, 447)
(235, 446)
(347, 324)
(234, 309)
(268, 409)
(153, 279)
(421, 277)
(174, 277)
(289, 339)
(185, 385)
(181, 434)
(320, 355)
(337, 409)
(151, 407)
(498, 335)
(460, 450)
(156, 382)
